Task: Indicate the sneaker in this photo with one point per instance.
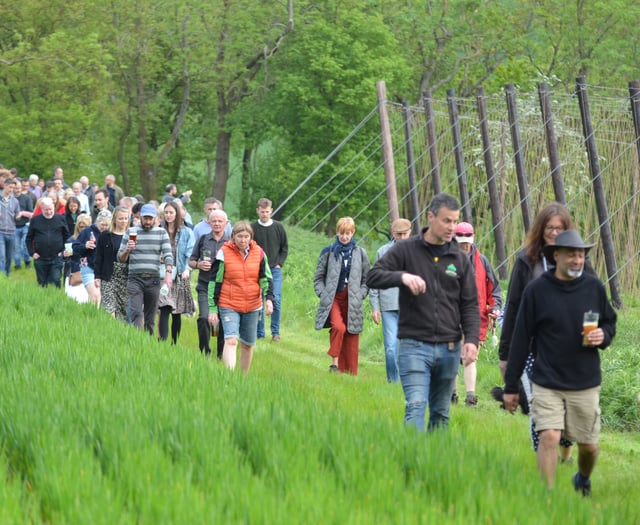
(471, 400)
(454, 398)
(582, 485)
(275, 338)
(334, 369)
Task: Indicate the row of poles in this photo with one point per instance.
(518, 153)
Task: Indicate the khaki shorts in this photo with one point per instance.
(575, 412)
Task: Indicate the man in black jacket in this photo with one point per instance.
(566, 374)
(45, 243)
(203, 259)
(438, 306)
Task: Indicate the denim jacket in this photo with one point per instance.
(184, 246)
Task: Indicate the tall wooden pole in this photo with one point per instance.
(494, 200)
(598, 190)
(387, 152)
(552, 142)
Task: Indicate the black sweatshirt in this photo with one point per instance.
(449, 307)
(549, 324)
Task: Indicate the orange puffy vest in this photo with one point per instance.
(240, 289)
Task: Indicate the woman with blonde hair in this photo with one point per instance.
(76, 291)
(110, 274)
(85, 245)
(235, 295)
(340, 283)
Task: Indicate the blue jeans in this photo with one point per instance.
(241, 326)
(7, 242)
(427, 372)
(20, 250)
(276, 273)
(49, 272)
(390, 335)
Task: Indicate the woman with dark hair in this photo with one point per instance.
(530, 264)
(242, 278)
(111, 274)
(179, 299)
(71, 212)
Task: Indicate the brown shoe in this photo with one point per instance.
(275, 339)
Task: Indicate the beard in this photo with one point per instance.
(575, 273)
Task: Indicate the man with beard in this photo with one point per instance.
(150, 247)
(204, 259)
(566, 373)
(45, 241)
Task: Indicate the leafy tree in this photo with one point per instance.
(53, 75)
(324, 85)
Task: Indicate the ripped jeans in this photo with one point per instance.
(427, 372)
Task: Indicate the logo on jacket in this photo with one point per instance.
(451, 270)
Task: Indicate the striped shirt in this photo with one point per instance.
(152, 246)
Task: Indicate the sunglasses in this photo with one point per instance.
(464, 234)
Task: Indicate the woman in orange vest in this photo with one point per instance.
(235, 295)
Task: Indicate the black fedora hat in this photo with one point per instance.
(566, 239)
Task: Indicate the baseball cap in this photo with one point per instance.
(464, 232)
(148, 210)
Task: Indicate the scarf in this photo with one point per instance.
(346, 250)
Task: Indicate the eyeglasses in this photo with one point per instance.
(550, 229)
(464, 234)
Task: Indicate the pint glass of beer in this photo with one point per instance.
(589, 323)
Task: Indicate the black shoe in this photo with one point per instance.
(471, 401)
(582, 484)
(27, 266)
(334, 369)
(454, 398)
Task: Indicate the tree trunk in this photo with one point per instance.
(223, 149)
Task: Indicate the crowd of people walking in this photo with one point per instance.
(134, 258)
(434, 293)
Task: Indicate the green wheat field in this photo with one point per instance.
(102, 424)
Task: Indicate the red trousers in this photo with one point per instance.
(342, 344)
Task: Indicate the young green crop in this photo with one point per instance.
(100, 423)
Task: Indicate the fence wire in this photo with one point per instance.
(362, 172)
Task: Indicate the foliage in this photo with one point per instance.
(199, 93)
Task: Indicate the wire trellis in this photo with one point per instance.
(363, 173)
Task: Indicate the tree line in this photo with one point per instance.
(242, 98)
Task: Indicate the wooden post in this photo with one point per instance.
(387, 152)
(634, 92)
(436, 182)
(454, 121)
(552, 142)
(518, 156)
(494, 201)
(411, 169)
(598, 190)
